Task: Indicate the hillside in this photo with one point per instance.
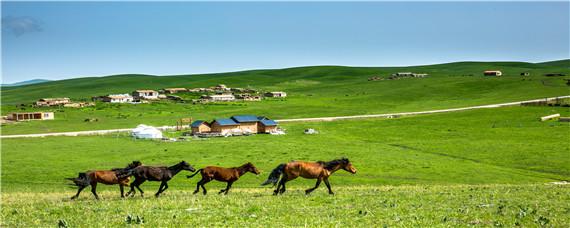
(317, 91)
(90, 86)
(28, 82)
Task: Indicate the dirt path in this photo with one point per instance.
(388, 115)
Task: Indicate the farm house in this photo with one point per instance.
(174, 90)
(224, 126)
(236, 124)
(145, 94)
(200, 126)
(247, 123)
(492, 73)
(117, 98)
(46, 102)
(219, 97)
(24, 116)
(276, 94)
(266, 125)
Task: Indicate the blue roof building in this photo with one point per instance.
(245, 118)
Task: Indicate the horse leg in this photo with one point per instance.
(225, 191)
(78, 191)
(94, 190)
(122, 190)
(139, 188)
(160, 189)
(204, 188)
(132, 191)
(329, 186)
(198, 186)
(280, 184)
(308, 191)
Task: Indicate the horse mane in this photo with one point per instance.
(130, 166)
(332, 164)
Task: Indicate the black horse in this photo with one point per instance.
(152, 173)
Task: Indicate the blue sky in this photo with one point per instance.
(58, 40)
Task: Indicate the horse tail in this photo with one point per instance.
(190, 176)
(125, 173)
(82, 180)
(275, 174)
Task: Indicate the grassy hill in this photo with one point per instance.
(313, 92)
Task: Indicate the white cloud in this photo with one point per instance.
(20, 25)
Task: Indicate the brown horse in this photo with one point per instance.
(108, 177)
(151, 173)
(311, 170)
(228, 175)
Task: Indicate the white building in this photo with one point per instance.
(145, 94)
(118, 98)
(220, 97)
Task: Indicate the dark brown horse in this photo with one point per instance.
(311, 170)
(152, 173)
(228, 175)
(108, 177)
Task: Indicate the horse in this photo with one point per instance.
(320, 170)
(228, 175)
(108, 177)
(153, 173)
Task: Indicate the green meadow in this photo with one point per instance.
(320, 91)
(481, 167)
(485, 167)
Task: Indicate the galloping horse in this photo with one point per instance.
(320, 170)
(229, 175)
(151, 173)
(108, 177)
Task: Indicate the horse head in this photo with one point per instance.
(251, 168)
(346, 165)
(185, 166)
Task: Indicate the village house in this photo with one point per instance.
(247, 123)
(276, 94)
(174, 90)
(236, 124)
(200, 126)
(221, 87)
(219, 97)
(25, 116)
(46, 102)
(78, 104)
(144, 94)
(492, 73)
(266, 125)
(224, 126)
(117, 98)
(247, 97)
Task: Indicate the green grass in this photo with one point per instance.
(363, 206)
(313, 92)
(480, 167)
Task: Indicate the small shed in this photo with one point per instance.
(492, 73)
(276, 94)
(200, 126)
(46, 102)
(266, 125)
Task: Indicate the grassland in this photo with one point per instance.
(361, 206)
(487, 167)
(313, 92)
(480, 167)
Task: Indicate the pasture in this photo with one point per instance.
(480, 167)
(312, 92)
